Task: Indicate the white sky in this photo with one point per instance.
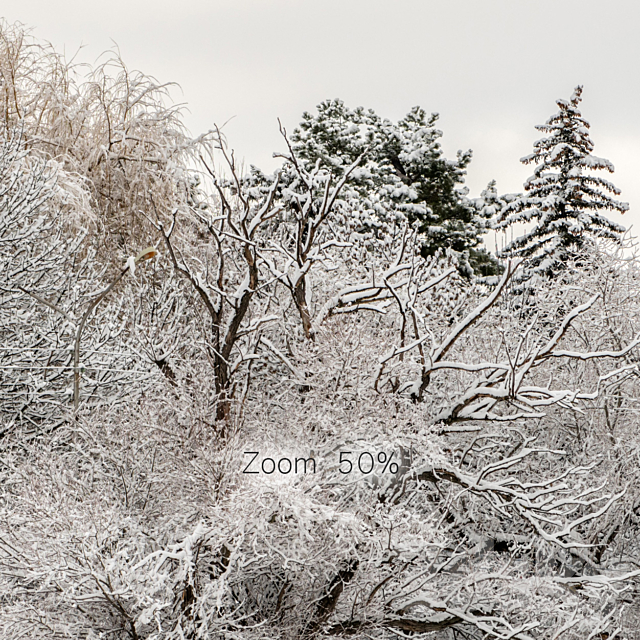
(492, 68)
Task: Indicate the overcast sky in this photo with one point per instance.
(492, 68)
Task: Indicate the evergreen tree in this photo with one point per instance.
(404, 173)
(563, 202)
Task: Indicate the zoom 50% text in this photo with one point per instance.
(348, 462)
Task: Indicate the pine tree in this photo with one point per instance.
(563, 202)
(404, 174)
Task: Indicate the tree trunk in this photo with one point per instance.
(300, 298)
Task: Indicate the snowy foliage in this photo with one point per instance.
(562, 199)
(400, 175)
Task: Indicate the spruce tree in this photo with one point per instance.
(561, 199)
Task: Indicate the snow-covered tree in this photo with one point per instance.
(113, 128)
(52, 332)
(562, 199)
(74, 157)
(403, 173)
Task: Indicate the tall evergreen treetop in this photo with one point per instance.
(564, 202)
(404, 173)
